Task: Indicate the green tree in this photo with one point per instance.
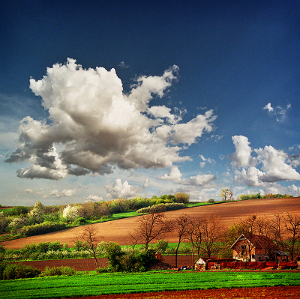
(182, 197)
(37, 213)
(226, 194)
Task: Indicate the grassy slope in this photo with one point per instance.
(87, 285)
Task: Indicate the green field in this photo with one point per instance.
(114, 283)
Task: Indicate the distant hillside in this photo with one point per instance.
(118, 230)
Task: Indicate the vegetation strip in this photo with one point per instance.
(116, 283)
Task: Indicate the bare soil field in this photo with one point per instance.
(119, 230)
(262, 292)
(90, 265)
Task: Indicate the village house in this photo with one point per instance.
(255, 248)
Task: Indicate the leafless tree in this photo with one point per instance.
(292, 227)
(211, 234)
(151, 226)
(195, 233)
(89, 236)
(181, 225)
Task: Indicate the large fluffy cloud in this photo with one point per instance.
(94, 126)
(268, 166)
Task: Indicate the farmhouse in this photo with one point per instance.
(255, 248)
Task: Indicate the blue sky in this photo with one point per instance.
(118, 99)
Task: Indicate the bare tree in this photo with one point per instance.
(292, 227)
(151, 226)
(195, 234)
(89, 236)
(181, 225)
(211, 233)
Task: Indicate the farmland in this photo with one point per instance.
(119, 230)
(98, 284)
(117, 283)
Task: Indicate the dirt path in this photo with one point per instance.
(118, 230)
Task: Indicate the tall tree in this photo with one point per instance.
(211, 234)
(181, 225)
(90, 237)
(292, 227)
(151, 226)
(195, 234)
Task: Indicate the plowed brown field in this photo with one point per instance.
(118, 230)
(249, 293)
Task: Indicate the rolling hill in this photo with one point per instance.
(118, 230)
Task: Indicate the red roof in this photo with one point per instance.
(260, 242)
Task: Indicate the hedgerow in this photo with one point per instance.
(162, 207)
(54, 271)
(42, 228)
(15, 271)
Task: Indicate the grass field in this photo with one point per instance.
(116, 283)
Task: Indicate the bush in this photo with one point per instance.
(42, 228)
(211, 200)
(17, 211)
(162, 208)
(161, 246)
(114, 254)
(15, 271)
(182, 197)
(54, 271)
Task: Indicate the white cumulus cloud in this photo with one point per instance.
(119, 190)
(267, 167)
(96, 126)
(198, 180)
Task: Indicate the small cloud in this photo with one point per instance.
(64, 193)
(93, 198)
(279, 112)
(268, 107)
(146, 184)
(123, 65)
(208, 160)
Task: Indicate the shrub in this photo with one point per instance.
(4, 221)
(15, 271)
(114, 254)
(41, 228)
(54, 271)
(18, 223)
(37, 213)
(161, 246)
(17, 211)
(162, 208)
(79, 221)
(182, 197)
(70, 213)
(80, 245)
(211, 200)
(102, 270)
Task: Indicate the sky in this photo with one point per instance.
(117, 99)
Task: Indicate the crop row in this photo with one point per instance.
(86, 285)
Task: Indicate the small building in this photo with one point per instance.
(256, 248)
